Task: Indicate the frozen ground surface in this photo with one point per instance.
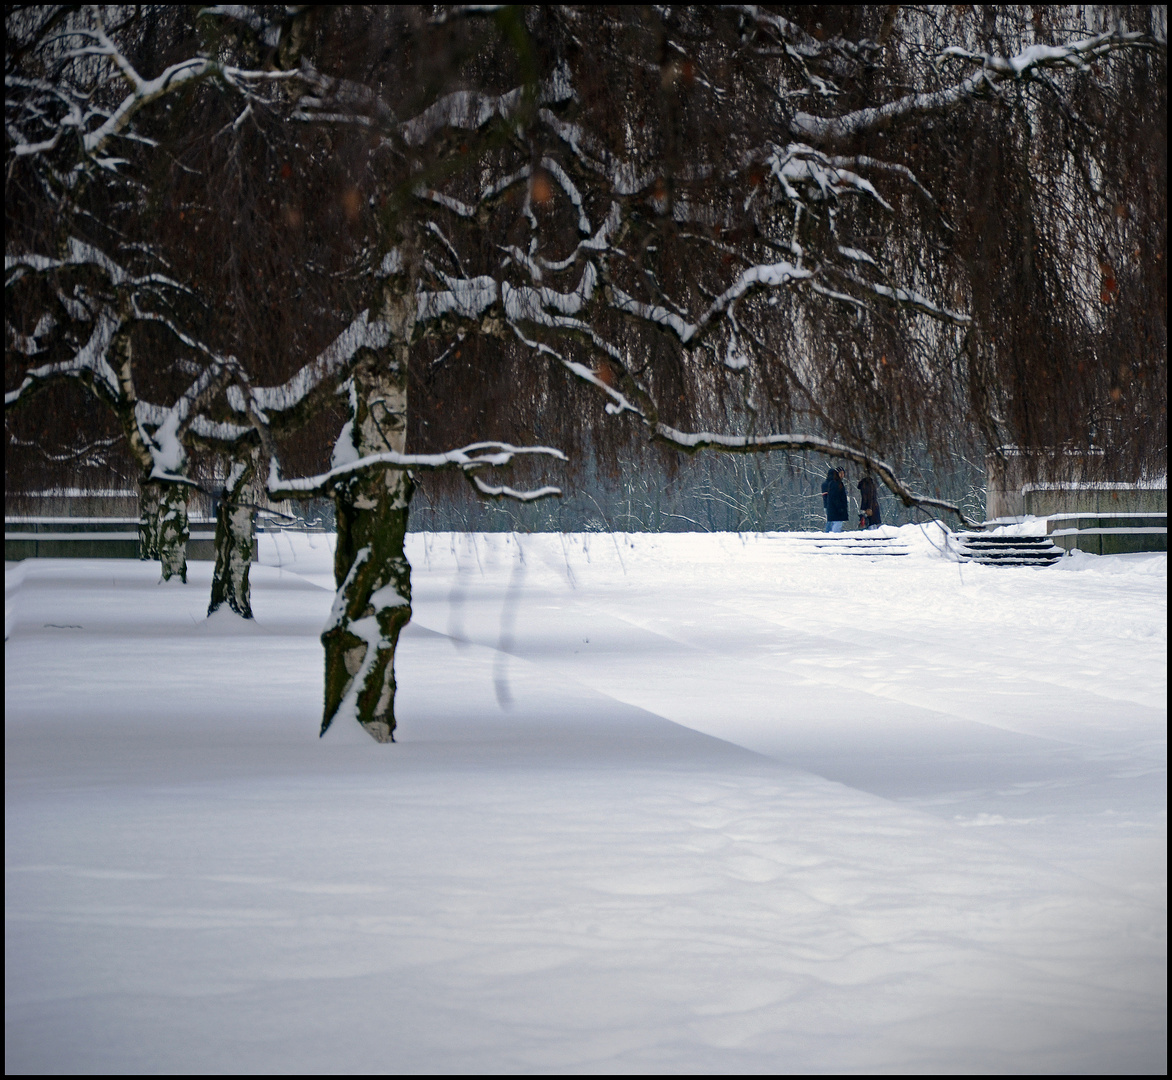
(659, 803)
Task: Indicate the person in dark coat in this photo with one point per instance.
(869, 516)
(834, 499)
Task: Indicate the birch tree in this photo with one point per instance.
(93, 335)
(681, 200)
(73, 95)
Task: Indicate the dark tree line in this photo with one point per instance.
(328, 251)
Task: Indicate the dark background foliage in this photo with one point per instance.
(1039, 208)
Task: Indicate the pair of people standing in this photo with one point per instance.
(834, 500)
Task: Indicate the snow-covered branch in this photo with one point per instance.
(799, 164)
(362, 333)
(618, 403)
(75, 114)
(474, 456)
(470, 110)
(167, 440)
(220, 433)
(992, 69)
(488, 491)
(78, 253)
(90, 361)
(772, 275)
(912, 299)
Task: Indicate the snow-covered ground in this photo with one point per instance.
(659, 803)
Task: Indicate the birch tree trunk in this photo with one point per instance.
(150, 491)
(373, 602)
(150, 494)
(163, 527)
(234, 538)
(173, 531)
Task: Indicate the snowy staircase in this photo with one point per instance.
(1008, 550)
(845, 543)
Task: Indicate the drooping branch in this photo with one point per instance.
(690, 442)
(992, 70)
(773, 275)
(469, 110)
(488, 491)
(78, 114)
(468, 458)
(89, 363)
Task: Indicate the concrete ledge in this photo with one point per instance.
(1106, 517)
(1111, 532)
(40, 524)
(93, 538)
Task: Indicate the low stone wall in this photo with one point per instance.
(75, 503)
(43, 537)
(1048, 500)
(1109, 534)
(1012, 492)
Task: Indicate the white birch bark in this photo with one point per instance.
(150, 494)
(174, 531)
(234, 537)
(373, 602)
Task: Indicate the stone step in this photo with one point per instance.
(1001, 541)
(1008, 550)
(994, 548)
(1050, 551)
(843, 544)
(866, 552)
(1011, 553)
(1012, 562)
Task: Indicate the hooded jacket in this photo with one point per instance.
(834, 497)
(869, 502)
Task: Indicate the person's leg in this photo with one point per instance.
(834, 526)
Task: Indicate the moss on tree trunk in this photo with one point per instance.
(234, 539)
(174, 530)
(150, 494)
(373, 602)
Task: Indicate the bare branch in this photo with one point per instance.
(992, 70)
(474, 456)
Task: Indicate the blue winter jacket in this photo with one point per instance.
(834, 497)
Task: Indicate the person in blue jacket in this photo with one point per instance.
(834, 498)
